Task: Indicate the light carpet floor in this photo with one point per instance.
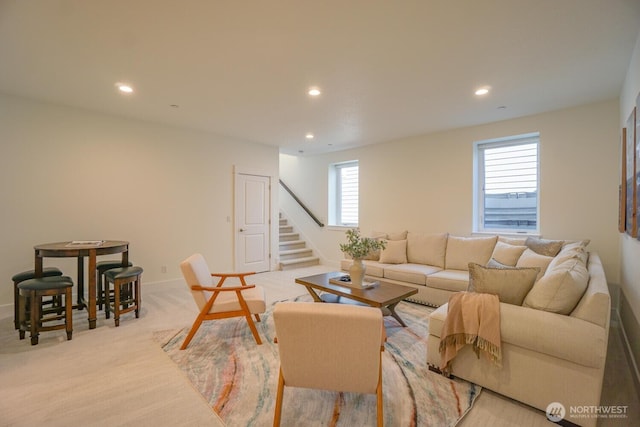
(121, 377)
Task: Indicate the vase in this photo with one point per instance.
(356, 271)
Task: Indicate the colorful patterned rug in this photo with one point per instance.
(239, 378)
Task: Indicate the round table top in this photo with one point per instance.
(81, 244)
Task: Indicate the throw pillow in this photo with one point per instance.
(531, 259)
(394, 253)
(495, 264)
(398, 235)
(463, 250)
(375, 255)
(568, 252)
(428, 249)
(516, 241)
(544, 246)
(560, 289)
(507, 254)
(511, 285)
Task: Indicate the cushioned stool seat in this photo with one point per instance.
(26, 275)
(126, 291)
(31, 292)
(101, 267)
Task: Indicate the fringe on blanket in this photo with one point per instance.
(492, 351)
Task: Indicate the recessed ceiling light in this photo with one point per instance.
(125, 88)
(309, 136)
(482, 91)
(314, 91)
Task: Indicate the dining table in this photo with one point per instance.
(80, 249)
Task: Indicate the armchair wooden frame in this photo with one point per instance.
(217, 290)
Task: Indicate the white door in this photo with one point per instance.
(252, 222)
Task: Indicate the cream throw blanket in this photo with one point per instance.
(472, 318)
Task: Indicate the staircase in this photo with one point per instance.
(293, 251)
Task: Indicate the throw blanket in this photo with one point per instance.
(472, 318)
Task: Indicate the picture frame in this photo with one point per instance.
(636, 139)
(622, 188)
(631, 226)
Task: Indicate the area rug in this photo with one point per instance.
(239, 378)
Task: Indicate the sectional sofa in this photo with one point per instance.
(554, 308)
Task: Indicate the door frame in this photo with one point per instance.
(240, 170)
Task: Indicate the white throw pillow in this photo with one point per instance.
(463, 250)
(560, 289)
(394, 253)
(507, 254)
(531, 259)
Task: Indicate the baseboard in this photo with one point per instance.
(629, 351)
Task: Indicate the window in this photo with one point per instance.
(343, 194)
(506, 190)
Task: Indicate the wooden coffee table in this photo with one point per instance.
(385, 296)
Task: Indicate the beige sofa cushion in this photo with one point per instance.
(531, 259)
(449, 280)
(395, 252)
(410, 273)
(544, 246)
(429, 249)
(560, 289)
(507, 254)
(511, 285)
(463, 250)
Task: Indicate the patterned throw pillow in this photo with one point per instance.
(544, 246)
(510, 284)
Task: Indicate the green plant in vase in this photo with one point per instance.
(359, 247)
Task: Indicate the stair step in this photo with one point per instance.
(295, 253)
(283, 221)
(288, 237)
(286, 229)
(292, 244)
(299, 263)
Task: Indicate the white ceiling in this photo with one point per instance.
(387, 69)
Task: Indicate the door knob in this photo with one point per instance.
(241, 230)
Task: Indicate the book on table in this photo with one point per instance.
(346, 281)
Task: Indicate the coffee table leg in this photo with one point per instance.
(314, 295)
(392, 311)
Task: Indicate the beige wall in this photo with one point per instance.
(425, 183)
(630, 261)
(68, 174)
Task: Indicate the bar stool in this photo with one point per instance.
(31, 292)
(124, 298)
(26, 275)
(101, 267)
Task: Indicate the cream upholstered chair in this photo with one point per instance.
(330, 347)
(219, 302)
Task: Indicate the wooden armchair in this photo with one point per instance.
(330, 347)
(220, 302)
